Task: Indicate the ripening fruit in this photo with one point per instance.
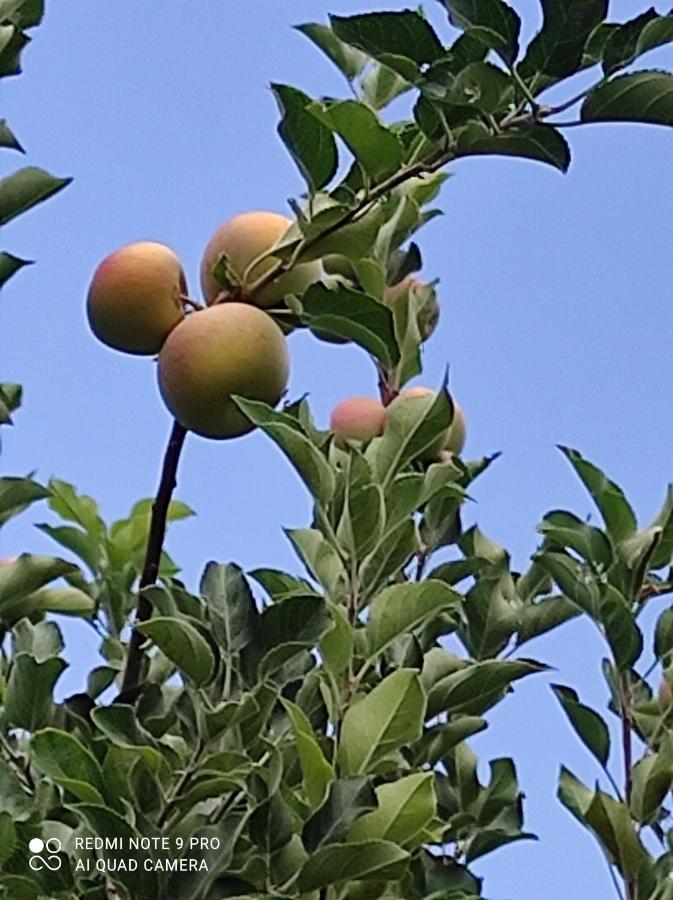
(243, 238)
(428, 314)
(231, 348)
(414, 403)
(8, 561)
(134, 300)
(665, 694)
(358, 419)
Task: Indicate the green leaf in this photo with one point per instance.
(543, 616)
(28, 698)
(347, 59)
(7, 838)
(651, 782)
(336, 647)
(569, 531)
(381, 722)
(10, 265)
(629, 41)
(383, 35)
(13, 797)
(573, 578)
(8, 139)
(26, 188)
(474, 689)
(636, 97)
(319, 557)
(231, 606)
(623, 634)
(590, 727)
(352, 315)
(663, 637)
(348, 799)
(541, 143)
(663, 554)
(17, 494)
(309, 141)
(379, 860)
(69, 505)
(391, 556)
(401, 608)
(381, 85)
(11, 396)
(558, 48)
(492, 22)
(378, 149)
(23, 13)
(183, 645)
(611, 822)
(12, 42)
(410, 433)
(405, 809)
(271, 825)
(64, 759)
(284, 430)
(317, 773)
(362, 519)
(25, 575)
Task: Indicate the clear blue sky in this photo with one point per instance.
(557, 318)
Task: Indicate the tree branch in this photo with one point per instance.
(155, 543)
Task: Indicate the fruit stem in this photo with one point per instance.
(155, 543)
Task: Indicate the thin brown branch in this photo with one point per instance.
(155, 544)
(433, 164)
(627, 750)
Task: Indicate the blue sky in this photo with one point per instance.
(557, 314)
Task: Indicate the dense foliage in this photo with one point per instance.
(311, 733)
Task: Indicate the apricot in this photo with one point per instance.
(230, 348)
(414, 404)
(134, 299)
(429, 311)
(358, 419)
(243, 239)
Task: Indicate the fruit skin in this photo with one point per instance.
(415, 402)
(243, 238)
(358, 419)
(429, 312)
(230, 348)
(134, 298)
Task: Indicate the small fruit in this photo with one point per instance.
(413, 404)
(231, 348)
(358, 419)
(241, 240)
(428, 309)
(134, 300)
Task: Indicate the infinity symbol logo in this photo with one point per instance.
(51, 862)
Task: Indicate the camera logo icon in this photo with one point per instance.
(39, 860)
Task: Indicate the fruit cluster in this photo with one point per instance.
(138, 303)
(365, 418)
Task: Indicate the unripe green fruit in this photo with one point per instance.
(134, 300)
(244, 238)
(358, 419)
(413, 404)
(429, 312)
(231, 348)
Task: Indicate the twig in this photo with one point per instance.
(433, 164)
(627, 748)
(174, 797)
(155, 543)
